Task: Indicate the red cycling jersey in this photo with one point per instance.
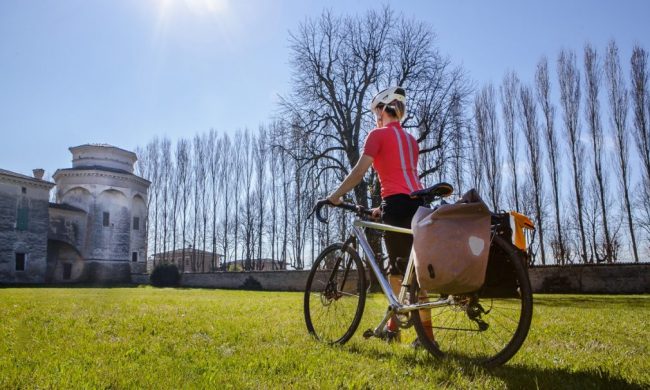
(395, 158)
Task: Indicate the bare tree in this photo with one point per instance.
(225, 173)
(592, 216)
(275, 172)
(175, 178)
(476, 165)
(198, 191)
(235, 181)
(543, 87)
(204, 170)
(641, 107)
(569, 80)
(618, 103)
(214, 158)
(458, 145)
(593, 75)
(183, 161)
(148, 168)
(165, 175)
(260, 154)
(339, 62)
(248, 213)
(300, 203)
(487, 130)
(531, 133)
(509, 91)
(286, 187)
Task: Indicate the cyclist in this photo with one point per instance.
(393, 153)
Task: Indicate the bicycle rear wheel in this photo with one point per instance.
(486, 327)
(335, 294)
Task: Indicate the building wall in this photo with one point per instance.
(32, 241)
(67, 233)
(139, 236)
(61, 255)
(108, 250)
(68, 226)
(112, 242)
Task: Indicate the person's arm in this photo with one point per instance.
(354, 178)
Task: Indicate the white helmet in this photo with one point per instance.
(387, 96)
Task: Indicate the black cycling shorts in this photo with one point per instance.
(398, 210)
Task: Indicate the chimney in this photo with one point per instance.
(38, 173)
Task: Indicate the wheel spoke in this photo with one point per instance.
(334, 300)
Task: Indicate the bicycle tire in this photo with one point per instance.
(334, 301)
(486, 327)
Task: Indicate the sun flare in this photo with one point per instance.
(167, 8)
(198, 6)
(167, 11)
(209, 6)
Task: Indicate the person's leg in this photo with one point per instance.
(397, 211)
(394, 245)
(425, 314)
(395, 284)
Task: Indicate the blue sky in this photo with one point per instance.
(123, 71)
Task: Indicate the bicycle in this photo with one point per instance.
(486, 327)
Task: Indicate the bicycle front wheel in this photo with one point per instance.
(335, 294)
(488, 326)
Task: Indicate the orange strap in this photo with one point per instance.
(519, 222)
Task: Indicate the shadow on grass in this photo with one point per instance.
(514, 376)
(517, 377)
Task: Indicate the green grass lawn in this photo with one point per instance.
(192, 338)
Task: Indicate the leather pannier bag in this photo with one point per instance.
(451, 245)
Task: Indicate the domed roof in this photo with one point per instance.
(102, 155)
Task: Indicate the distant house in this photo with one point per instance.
(190, 260)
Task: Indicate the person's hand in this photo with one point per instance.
(376, 212)
(335, 200)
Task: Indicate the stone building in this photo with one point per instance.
(23, 227)
(95, 232)
(189, 260)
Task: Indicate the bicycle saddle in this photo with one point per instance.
(439, 190)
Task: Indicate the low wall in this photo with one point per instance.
(592, 279)
(579, 279)
(253, 280)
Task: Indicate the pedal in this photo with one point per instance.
(368, 333)
(482, 325)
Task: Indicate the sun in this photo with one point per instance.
(167, 10)
(218, 7)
